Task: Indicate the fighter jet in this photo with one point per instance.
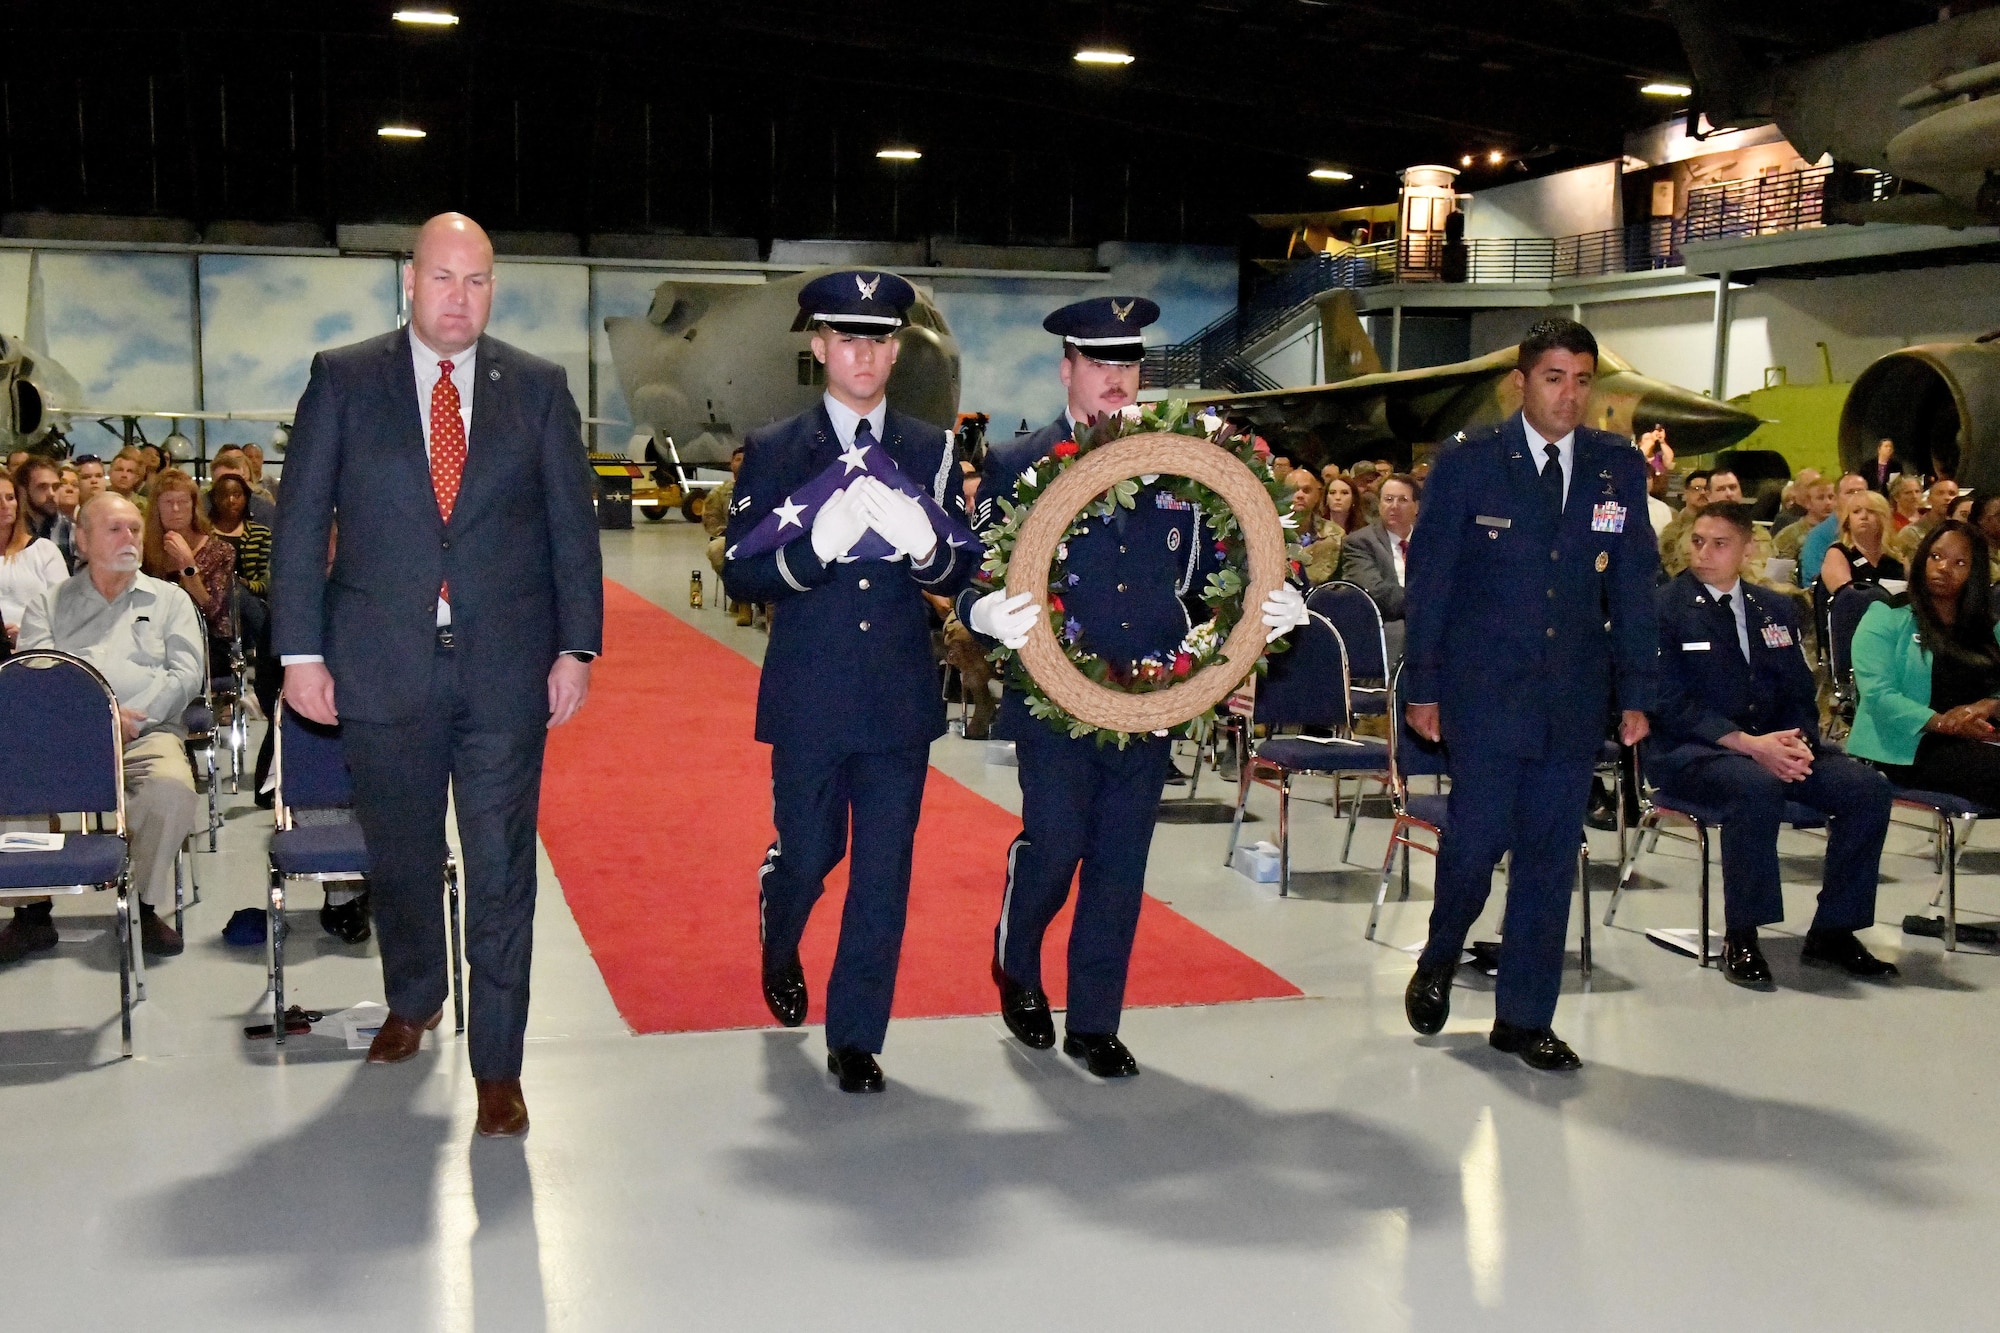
(711, 362)
(1365, 412)
(1919, 104)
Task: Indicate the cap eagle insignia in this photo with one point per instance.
(867, 288)
(1119, 312)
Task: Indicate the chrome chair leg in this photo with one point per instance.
(1353, 818)
(1388, 864)
(124, 967)
(1630, 861)
(1244, 763)
(214, 818)
(1583, 887)
(1284, 834)
(1950, 829)
(180, 892)
(1701, 835)
(457, 946)
(277, 956)
(1406, 873)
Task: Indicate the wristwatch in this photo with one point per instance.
(189, 572)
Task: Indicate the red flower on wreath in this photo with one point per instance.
(1055, 604)
(1183, 663)
(1065, 449)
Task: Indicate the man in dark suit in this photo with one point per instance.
(457, 623)
(1087, 806)
(1737, 727)
(849, 700)
(1530, 620)
(1376, 558)
(1886, 468)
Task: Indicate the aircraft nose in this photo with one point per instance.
(1695, 424)
(925, 380)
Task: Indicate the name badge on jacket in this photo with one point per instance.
(1777, 636)
(1608, 517)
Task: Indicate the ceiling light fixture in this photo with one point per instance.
(426, 18)
(1102, 55)
(400, 132)
(1667, 90)
(899, 154)
(1330, 174)
(1495, 158)
(1465, 161)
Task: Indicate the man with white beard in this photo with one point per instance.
(145, 637)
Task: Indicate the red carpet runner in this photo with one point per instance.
(656, 810)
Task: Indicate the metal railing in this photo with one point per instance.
(1781, 202)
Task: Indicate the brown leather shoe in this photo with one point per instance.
(399, 1039)
(503, 1114)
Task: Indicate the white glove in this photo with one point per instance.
(900, 520)
(1283, 610)
(1008, 619)
(837, 526)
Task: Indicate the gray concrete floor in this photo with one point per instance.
(1807, 1159)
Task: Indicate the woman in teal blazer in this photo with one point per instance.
(1927, 673)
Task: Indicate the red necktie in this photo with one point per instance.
(447, 449)
(1403, 548)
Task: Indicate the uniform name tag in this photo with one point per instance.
(1488, 521)
(1701, 647)
(1777, 636)
(1607, 517)
(1162, 500)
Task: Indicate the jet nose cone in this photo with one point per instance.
(925, 380)
(1695, 424)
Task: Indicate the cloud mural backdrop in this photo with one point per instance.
(122, 323)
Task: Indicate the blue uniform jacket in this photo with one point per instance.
(1131, 572)
(1708, 690)
(850, 665)
(1526, 628)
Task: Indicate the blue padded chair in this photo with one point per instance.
(1351, 611)
(66, 755)
(1411, 755)
(1306, 686)
(310, 766)
(1954, 816)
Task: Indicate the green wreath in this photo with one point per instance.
(1222, 592)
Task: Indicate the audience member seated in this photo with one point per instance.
(1694, 499)
(1318, 536)
(90, 478)
(1812, 551)
(1906, 500)
(69, 494)
(1737, 728)
(1365, 479)
(36, 484)
(1792, 503)
(1860, 555)
(1935, 509)
(228, 507)
(29, 565)
(1659, 455)
(152, 462)
(714, 518)
(259, 483)
(1985, 520)
(181, 548)
(1927, 670)
(1816, 498)
(233, 462)
(144, 636)
(1374, 558)
(126, 474)
(1724, 487)
(1340, 507)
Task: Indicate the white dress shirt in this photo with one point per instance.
(1735, 594)
(845, 419)
(1565, 454)
(1399, 551)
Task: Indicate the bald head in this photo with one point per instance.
(109, 533)
(449, 283)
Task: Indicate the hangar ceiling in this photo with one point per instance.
(764, 117)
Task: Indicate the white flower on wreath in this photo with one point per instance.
(1132, 412)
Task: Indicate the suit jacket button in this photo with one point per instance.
(447, 543)
(864, 627)
(1552, 593)
(864, 586)
(1121, 587)
(1550, 631)
(1555, 555)
(1121, 550)
(1124, 624)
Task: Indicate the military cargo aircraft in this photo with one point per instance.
(710, 362)
(1939, 402)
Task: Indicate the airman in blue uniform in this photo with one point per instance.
(1737, 729)
(1130, 582)
(848, 701)
(1530, 614)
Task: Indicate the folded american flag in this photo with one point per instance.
(794, 517)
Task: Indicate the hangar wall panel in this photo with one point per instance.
(1569, 203)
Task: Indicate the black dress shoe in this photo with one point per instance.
(785, 993)
(1102, 1054)
(1427, 999)
(1025, 1009)
(856, 1070)
(33, 930)
(1743, 963)
(348, 921)
(1839, 948)
(1539, 1048)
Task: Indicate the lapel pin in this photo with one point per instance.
(493, 374)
